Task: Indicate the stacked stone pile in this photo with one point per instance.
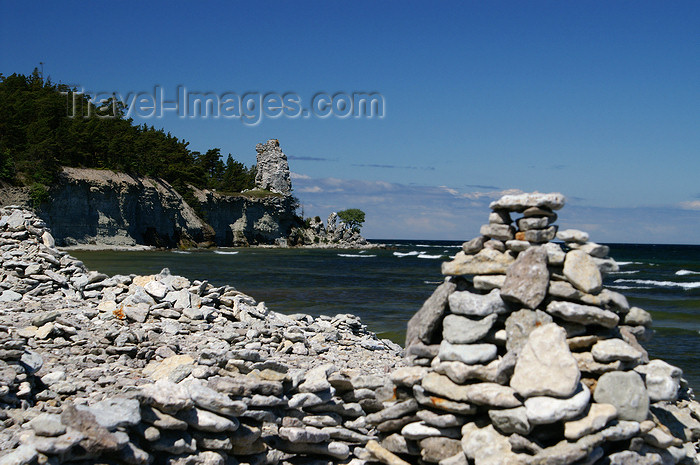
(522, 357)
(140, 369)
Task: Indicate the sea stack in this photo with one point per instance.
(273, 168)
(523, 357)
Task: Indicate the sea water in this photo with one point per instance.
(386, 287)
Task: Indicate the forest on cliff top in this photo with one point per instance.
(38, 136)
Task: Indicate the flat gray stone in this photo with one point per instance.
(637, 317)
(527, 278)
(306, 434)
(440, 403)
(532, 222)
(435, 449)
(491, 394)
(582, 272)
(555, 254)
(626, 392)
(501, 232)
(486, 261)
(166, 396)
(487, 282)
(457, 329)
(545, 410)
(498, 371)
(595, 250)
(609, 350)
(661, 379)
(545, 366)
(115, 412)
(204, 420)
(512, 420)
(583, 314)
(518, 246)
(47, 424)
(597, 417)
(520, 324)
(573, 235)
(424, 324)
(485, 446)
(10, 296)
(521, 202)
(476, 305)
(444, 420)
(538, 236)
(22, 455)
(500, 217)
(473, 246)
(419, 430)
(467, 353)
(208, 399)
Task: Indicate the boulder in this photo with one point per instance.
(527, 278)
(545, 366)
(582, 272)
(477, 305)
(426, 321)
(626, 392)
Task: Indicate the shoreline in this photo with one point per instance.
(144, 248)
(112, 348)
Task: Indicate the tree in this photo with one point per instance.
(353, 217)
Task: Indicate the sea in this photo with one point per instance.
(385, 287)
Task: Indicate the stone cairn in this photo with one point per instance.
(522, 357)
(158, 369)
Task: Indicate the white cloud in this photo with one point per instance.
(310, 190)
(294, 175)
(691, 205)
(402, 211)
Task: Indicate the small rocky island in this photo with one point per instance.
(520, 357)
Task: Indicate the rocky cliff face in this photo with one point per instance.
(115, 209)
(240, 221)
(104, 207)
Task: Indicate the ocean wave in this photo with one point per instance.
(407, 254)
(426, 245)
(628, 287)
(433, 257)
(433, 282)
(182, 252)
(624, 272)
(355, 255)
(224, 252)
(651, 282)
(686, 272)
(630, 263)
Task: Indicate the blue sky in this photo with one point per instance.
(597, 100)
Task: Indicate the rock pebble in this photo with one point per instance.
(135, 369)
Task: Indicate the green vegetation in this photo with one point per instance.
(353, 217)
(37, 137)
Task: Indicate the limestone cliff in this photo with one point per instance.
(103, 207)
(239, 220)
